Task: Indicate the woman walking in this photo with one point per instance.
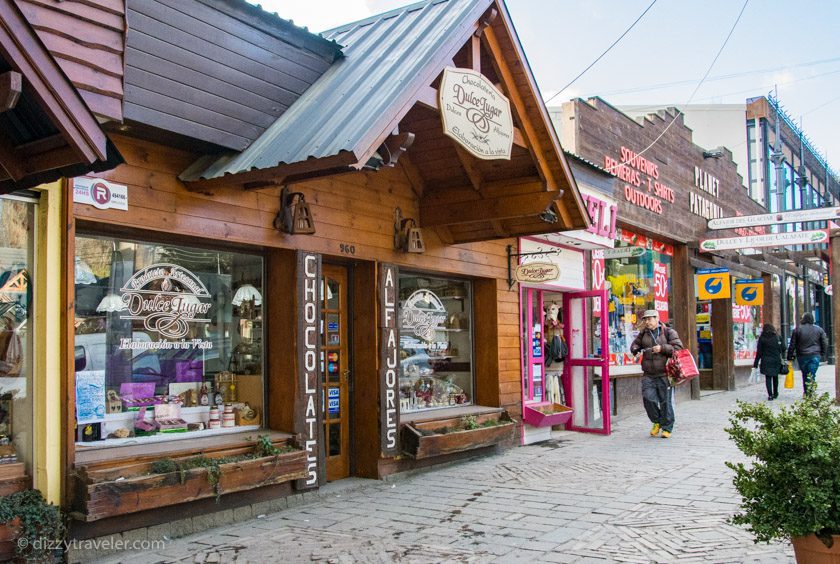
(769, 353)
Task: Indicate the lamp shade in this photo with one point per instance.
(83, 273)
(245, 293)
(110, 304)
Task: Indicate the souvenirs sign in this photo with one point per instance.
(100, 193)
(476, 114)
(768, 240)
(815, 214)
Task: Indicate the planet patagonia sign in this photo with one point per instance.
(536, 272)
(476, 114)
(768, 240)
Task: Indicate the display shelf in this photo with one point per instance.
(150, 411)
(164, 437)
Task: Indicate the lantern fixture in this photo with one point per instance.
(407, 236)
(294, 216)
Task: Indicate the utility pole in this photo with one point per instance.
(778, 159)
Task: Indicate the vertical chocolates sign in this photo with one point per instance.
(389, 365)
(309, 417)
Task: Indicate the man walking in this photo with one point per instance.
(657, 343)
(809, 344)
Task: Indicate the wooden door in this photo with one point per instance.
(336, 369)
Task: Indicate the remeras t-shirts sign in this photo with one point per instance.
(641, 177)
(476, 114)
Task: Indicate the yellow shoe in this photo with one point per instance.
(666, 434)
(655, 430)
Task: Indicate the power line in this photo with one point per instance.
(696, 88)
(614, 43)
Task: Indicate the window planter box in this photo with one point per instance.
(9, 533)
(546, 414)
(128, 489)
(444, 436)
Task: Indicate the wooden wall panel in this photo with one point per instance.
(178, 51)
(364, 372)
(87, 40)
(281, 307)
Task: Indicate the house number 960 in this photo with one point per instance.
(347, 249)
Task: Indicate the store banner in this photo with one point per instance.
(713, 283)
(749, 292)
(598, 279)
(389, 366)
(660, 290)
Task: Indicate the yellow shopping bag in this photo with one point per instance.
(789, 377)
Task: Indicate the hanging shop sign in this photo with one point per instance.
(749, 292)
(713, 283)
(815, 214)
(476, 114)
(536, 272)
(768, 240)
(660, 290)
(167, 298)
(388, 360)
(100, 193)
(309, 415)
(570, 264)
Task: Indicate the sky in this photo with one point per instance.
(789, 45)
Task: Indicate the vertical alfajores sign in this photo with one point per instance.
(309, 417)
(389, 365)
(476, 114)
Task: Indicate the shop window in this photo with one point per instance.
(168, 341)
(16, 380)
(436, 346)
(746, 330)
(638, 277)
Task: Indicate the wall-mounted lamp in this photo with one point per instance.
(548, 215)
(294, 216)
(407, 236)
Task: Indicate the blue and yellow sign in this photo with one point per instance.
(749, 292)
(713, 283)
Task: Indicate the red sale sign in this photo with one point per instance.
(741, 314)
(598, 279)
(660, 290)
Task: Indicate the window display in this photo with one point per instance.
(435, 343)
(17, 227)
(638, 277)
(746, 330)
(168, 341)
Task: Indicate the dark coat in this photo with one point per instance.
(769, 353)
(653, 364)
(807, 339)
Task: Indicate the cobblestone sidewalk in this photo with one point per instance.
(578, 498)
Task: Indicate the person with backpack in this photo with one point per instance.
(768, 353)
(809, 345)
(656, 343)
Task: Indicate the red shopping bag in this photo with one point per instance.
(681, 367)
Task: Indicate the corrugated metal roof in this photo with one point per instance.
(384, 56)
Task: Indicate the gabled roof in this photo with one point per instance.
(386, 58)
(50, 132)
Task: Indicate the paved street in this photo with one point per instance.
(579, 498)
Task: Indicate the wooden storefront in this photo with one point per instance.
(341, 388)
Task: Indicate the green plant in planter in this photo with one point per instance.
(39, 521)
(469, 422)
(792, 486)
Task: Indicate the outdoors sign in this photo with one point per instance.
(713, 283)
(749, 292)
(476, 114)
(536, 272)
(768, 240)
(100, 193)
(815, 214)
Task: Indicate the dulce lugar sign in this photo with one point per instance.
(476, 114)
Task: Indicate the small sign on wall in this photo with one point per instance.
(100, 193)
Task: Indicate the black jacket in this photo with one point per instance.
(769, 352)
(653, 364)
(807, 340)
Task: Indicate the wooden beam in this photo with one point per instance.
(396, 145)
(413, 176)
(531, 137)
(10, 160)
(488, 209)
(474, 52)
(735, 267)
(11, 85)
(470, 167)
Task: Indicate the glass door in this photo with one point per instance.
(532, 324)
(335, 362)
(587, 382)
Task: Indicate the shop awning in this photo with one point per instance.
(378, 106)
(46, 129)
